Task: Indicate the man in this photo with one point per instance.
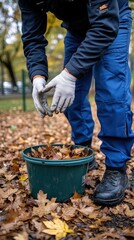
(96, 44)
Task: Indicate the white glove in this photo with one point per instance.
(64, 94)
(39, 97)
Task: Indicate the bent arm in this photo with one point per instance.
(34, 21)
(104, 25)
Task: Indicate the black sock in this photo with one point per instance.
(87, 143)
(120, 169)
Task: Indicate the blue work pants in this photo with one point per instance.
(112, 95)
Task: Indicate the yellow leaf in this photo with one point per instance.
(67, 229)
(23, 177)
(57, 227)
(60, 235)
(59, 224)
(49, 224)
(65, 226)
(51, 231)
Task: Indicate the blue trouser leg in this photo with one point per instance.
(79, 113)
(113, 98)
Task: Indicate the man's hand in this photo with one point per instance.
(39, 97)
(64, 94)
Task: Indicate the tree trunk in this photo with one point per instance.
(2, 79)
(8, 65)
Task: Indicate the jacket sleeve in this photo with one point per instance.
(34, 21)
(103, 17)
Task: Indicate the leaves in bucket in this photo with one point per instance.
(65, 152)
(57, 227)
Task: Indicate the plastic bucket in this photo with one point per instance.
(57, 178)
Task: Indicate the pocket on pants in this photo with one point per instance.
(129, 121)
(114, 120)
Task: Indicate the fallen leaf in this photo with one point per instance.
(68, 212)
(5, 194)
(107, 234)
(41, 198)
(86, 211)
(45, 206)
(57, 227)
(128, 232)
(130, 201)
(21, 236)
(76, 195)
(129, 213)
(23, 177)
(38, 225)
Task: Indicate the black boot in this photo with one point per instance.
(111, 190)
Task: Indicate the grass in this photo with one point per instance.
(17, 104)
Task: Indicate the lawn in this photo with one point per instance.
(18, 104)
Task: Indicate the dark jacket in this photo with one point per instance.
(96, 20)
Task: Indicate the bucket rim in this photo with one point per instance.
(71, 162)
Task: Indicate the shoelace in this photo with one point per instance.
(109, 177)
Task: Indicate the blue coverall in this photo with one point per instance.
(96, 44)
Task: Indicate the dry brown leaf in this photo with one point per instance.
(68, 213)
(86, 201)
(5, 194)
(128, 232)
(41, 198)
(93, 215)
(76, 195)
(105, 218)
(38, 225)
(15, 168)
(10, 177)
(8, 227)
(24, 216)
(107, 234)
(43, 210)
(129, 213)
(87, 210)
(130, 193)
(21, 236)
(129, 200)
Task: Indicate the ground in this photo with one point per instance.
(22, 217)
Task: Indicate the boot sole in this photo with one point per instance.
(114, 201)
(108, 202)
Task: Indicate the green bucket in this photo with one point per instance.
(57, 178)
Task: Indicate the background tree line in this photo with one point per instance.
(12, 59)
